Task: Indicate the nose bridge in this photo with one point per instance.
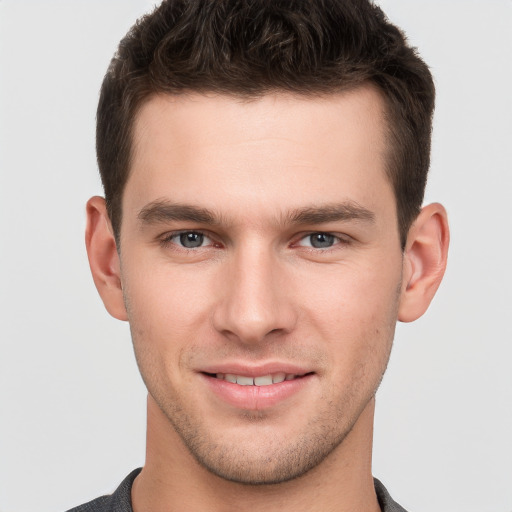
(253, 303)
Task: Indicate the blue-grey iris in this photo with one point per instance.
(321, 240)
(191, 240)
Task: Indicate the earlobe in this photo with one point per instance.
(425, 259)
(104, 258)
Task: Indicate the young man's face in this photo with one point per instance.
(259, 242)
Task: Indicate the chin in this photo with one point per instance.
(261, 472)
(266, 458)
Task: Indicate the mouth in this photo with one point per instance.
(261, 380)
(257, 389)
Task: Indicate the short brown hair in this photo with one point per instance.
(251, 47)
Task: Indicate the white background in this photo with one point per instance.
(72, 406)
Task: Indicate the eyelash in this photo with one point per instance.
(338, 240)
(166, 241)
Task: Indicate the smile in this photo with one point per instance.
(257, 387)
(263, 380)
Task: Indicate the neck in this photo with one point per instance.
(172, 480)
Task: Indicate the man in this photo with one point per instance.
(264, 165)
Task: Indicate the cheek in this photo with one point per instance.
(167, 309)
(366, 294)
(164, 316)
(162, 294)
(355, 311)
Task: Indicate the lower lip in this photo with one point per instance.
(255, 397)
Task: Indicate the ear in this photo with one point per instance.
(425, 258)
(104, 258)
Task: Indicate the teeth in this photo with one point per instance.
(278, 377)
(244, 381)
(264, 380)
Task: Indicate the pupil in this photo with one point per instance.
(321, 240)
(191, 240)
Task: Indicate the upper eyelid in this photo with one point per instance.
(166, 238)
(180, 231)
(339, 236)
(170, 234)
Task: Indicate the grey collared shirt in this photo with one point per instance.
(120, 500)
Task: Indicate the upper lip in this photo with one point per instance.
(256, 370)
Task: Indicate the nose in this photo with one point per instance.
(254, 302)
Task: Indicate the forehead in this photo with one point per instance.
(280, 148)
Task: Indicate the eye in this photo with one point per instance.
(319, 240)
(188, 239)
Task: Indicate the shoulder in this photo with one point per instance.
(386, 502)
(102, 504)
(119, 501)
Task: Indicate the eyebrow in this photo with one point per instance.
(161, 211)
(165, 211)
(345, 211)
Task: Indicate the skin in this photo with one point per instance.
(270, 173)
